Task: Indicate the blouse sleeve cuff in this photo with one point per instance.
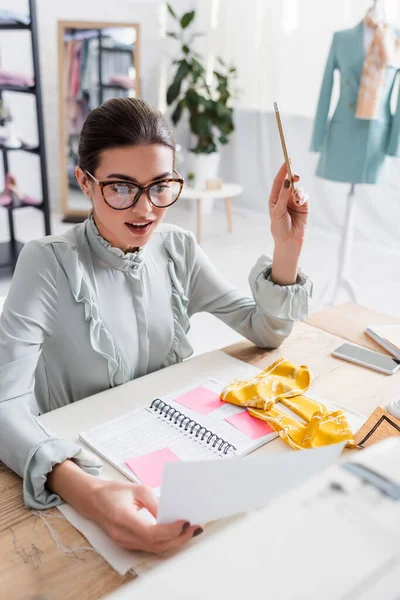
(41, 461)
(287, 302)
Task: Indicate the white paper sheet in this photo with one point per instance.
(210, 490)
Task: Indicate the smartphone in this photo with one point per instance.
(367, 358)
(283, 143)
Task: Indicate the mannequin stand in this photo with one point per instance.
(346, 241)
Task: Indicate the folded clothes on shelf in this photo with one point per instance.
(123, 80)
(13, 78)
(12, 195)
(11, 17)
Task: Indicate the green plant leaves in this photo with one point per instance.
(175, 88)
(173, 91)
(187, 19)
(210, 117)
(182, 71)
(171, 11)
(197, 67)
(176, 115)
(222, 111)
(193, 98)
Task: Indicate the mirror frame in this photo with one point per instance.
(75, 215)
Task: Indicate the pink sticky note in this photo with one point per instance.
(200, 400)
(251, 426)
(149, 467)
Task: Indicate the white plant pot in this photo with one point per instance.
(204, 167)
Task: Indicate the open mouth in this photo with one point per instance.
(139, 228)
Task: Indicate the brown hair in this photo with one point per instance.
(121, 122)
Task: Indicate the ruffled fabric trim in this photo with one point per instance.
(114, 257)
(181, 347)
(40, 463)
(287, 302)
(100, 338)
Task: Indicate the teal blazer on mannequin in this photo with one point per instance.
(353, 150)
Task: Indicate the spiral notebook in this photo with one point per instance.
(191, 425)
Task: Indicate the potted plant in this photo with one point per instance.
(208, 104)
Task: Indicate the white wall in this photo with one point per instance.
(15, 55)
(280, 48)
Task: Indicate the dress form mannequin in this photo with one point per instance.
(377, 12)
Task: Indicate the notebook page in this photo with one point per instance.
(216, 420)
(138, 433)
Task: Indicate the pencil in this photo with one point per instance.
(283, 142)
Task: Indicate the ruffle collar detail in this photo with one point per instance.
(113, 257)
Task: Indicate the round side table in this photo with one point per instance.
(227, 191)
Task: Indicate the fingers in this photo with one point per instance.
(299, 199)
(134, 523)
(129, 528)
(145, 497)
(278, 181)
(156, 538)
(283, 198)
(191, 532)
(133, 528)
(166, 533)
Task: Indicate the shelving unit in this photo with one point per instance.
(10, 250)
(13, 26)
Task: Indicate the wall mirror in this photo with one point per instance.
(97, 61)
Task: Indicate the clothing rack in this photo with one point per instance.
(100, 35)
(92, 34)
(10, 250)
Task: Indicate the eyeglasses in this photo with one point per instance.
(121, 195)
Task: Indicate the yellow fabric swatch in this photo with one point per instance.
(286, 383)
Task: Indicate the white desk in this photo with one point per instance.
(227, 191)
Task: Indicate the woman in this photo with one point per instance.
(110, 301)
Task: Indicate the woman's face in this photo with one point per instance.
(130, 228)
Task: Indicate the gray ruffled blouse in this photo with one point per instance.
(82, 317)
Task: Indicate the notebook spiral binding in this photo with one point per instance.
(188, 424)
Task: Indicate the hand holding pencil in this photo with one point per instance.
(288, 208)
(298, 193)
